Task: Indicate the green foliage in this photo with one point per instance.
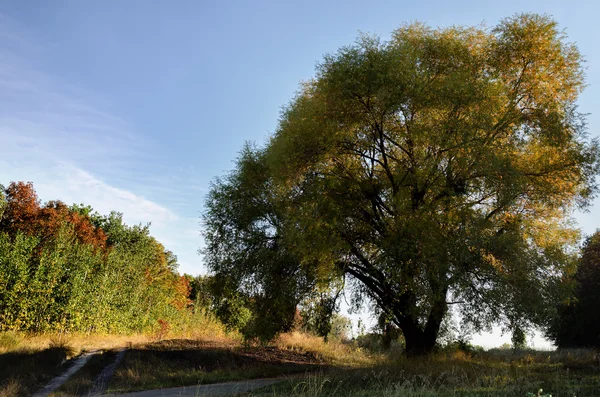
(201, 293)
(252, 264)
(341, 327)
(53, 279)
(441, 166)
(230, 306)
(318, 315)
(15, 258)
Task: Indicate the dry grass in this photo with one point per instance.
(75, 343)
(494, 373)
(11, 342)
(28, 362)
(336, 369)
(27, 371)
(569, 358)
(10, 388)
(334, 353)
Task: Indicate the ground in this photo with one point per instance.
(306, 365)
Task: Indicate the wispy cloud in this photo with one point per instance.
(77, 183)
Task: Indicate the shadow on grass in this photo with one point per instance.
(394, 382)
(83, 381)
(182, 362)
(24, 372)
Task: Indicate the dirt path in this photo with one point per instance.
(212, 390)
(105, 376)
(59, 380)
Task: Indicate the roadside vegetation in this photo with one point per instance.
(451, 372)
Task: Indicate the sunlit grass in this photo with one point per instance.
(28, 362)
(334, 353)
(74, 342)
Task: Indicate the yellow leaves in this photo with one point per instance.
(552, 230)
(492, 261)
(533, 57)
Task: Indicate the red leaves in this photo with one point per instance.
(183, 289)
(22, 207)
(24, 214)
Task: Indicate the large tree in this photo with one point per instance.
(438, 168)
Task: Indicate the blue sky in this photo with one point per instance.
(136, 106)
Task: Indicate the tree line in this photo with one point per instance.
(68, 268)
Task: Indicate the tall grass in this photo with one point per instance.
(335, 353)
(346, 370)
(456, 373)
(196, 326)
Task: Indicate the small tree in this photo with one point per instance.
(246, 251)
(318, 314)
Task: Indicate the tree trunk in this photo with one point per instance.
(419, 344)
(420, 341)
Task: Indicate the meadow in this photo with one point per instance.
(307, 365)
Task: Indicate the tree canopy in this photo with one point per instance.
(439, 168)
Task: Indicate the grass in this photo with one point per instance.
(493, 373)
(184, 362)
(24, 372)
(11, 342)
(325, 369)
(187, 362)
(334, 353)
(29, 362)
